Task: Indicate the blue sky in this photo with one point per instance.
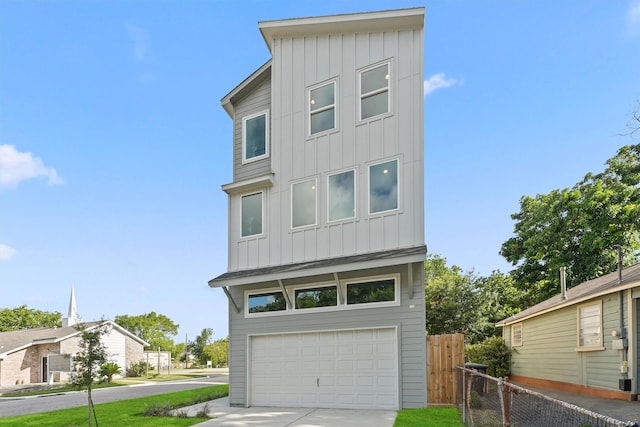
(113, 144)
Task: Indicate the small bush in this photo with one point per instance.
(137, 369)
(156, 409)
(203, 412)
(492, 352)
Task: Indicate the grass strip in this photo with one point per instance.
(436, 416)
(124, 412)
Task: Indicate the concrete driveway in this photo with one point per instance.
(226, 416)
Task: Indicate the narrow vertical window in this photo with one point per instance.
(251, 212)
(516, 335)
(374, 91)
(322, 108)
(590, 326)
(303, 203)
(255, 139)
(383, 187)
(341, 198)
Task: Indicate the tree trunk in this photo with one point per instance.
(90, 403)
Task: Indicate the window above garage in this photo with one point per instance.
(368, 292)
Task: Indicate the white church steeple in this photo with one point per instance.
(72, 317)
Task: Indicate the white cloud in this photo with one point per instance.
(633, 17)
(16, 167)
(6, 252)
(140, 38)
(438, 81)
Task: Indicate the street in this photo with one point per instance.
(12, 406)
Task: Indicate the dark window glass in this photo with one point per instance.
(262, 303)
(317, 297)
(366, 292)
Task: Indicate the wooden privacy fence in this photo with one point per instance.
(444, 353)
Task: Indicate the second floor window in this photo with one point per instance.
(322, 108)
(374, 91)
(303, 203)
(251, 212)
(341, 196)
(383, 187)
(255, 139)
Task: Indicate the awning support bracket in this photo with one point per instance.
(286, 295)
(226, 291)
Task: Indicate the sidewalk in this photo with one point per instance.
(622, 410)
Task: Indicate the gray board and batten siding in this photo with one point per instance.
(298, 63)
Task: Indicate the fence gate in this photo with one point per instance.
(444, 353)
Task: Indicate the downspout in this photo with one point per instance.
(624, 368)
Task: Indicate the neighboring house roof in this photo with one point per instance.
(328, 265)
(593, 288)
(13, 341)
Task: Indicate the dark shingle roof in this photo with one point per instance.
(12, 341)
(303, 268)
(604, 284)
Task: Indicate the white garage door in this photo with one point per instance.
(336, 369)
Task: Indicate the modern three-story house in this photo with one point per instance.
(326, 216)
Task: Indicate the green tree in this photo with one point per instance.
(452, 303)
(197, 346)
(217, 352)
(89, 359)
(156, 329)
(577, 228)
(500, 298)
(15, 319)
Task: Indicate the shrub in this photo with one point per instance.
(492, 352)
(137, 369)
(109, 369)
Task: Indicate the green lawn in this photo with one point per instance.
(123, 413)
(436, 416)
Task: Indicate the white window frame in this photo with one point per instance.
(315, 210)
(316, 286)
(514, 342)
(398, 184)
(333, 106)
(388, 89)
(355, 196)
(252, 292)
(262, 213)
(344, 284)
(266, 137)
(599, 345)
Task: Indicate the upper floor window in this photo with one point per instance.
(322, 108)
(303, 203)
(255, 137)
(590, 326)
(383, 187)
(374, 91)
(341, 196)
(516, 335)
(251, 213)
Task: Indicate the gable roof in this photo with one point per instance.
(603, 285)
(12, 341)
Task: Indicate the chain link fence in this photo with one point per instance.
(494, 402)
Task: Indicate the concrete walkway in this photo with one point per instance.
(224, 415)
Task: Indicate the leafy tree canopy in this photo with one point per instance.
(577, 228)
(452, 304)
(197, 347)
(156, 329)
(15, 319)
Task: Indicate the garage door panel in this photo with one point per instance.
(337, 369)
